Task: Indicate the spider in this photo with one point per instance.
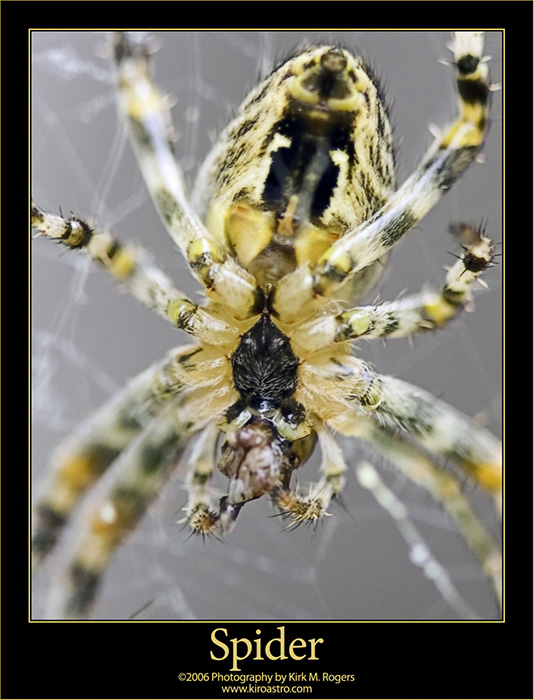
(291, 224)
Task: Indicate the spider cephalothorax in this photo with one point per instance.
(295, 212)
(275, 438)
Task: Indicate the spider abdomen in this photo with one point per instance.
(308, 158)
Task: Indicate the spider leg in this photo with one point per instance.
(310, 508)
(135, 479)
(443, 164)
(424, 311)
(436, 426)
(137, 272)
(87, 453)
(120, 500)
(441, 484)
(331, 382)
(150, 126)
(200, 514)
(420, 555)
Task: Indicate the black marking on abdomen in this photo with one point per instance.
(305, 167)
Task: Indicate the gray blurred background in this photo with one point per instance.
(88, 338)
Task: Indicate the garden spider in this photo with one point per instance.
(271, 303)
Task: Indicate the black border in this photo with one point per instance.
(390, 660)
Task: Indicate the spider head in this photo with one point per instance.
(258, 460)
